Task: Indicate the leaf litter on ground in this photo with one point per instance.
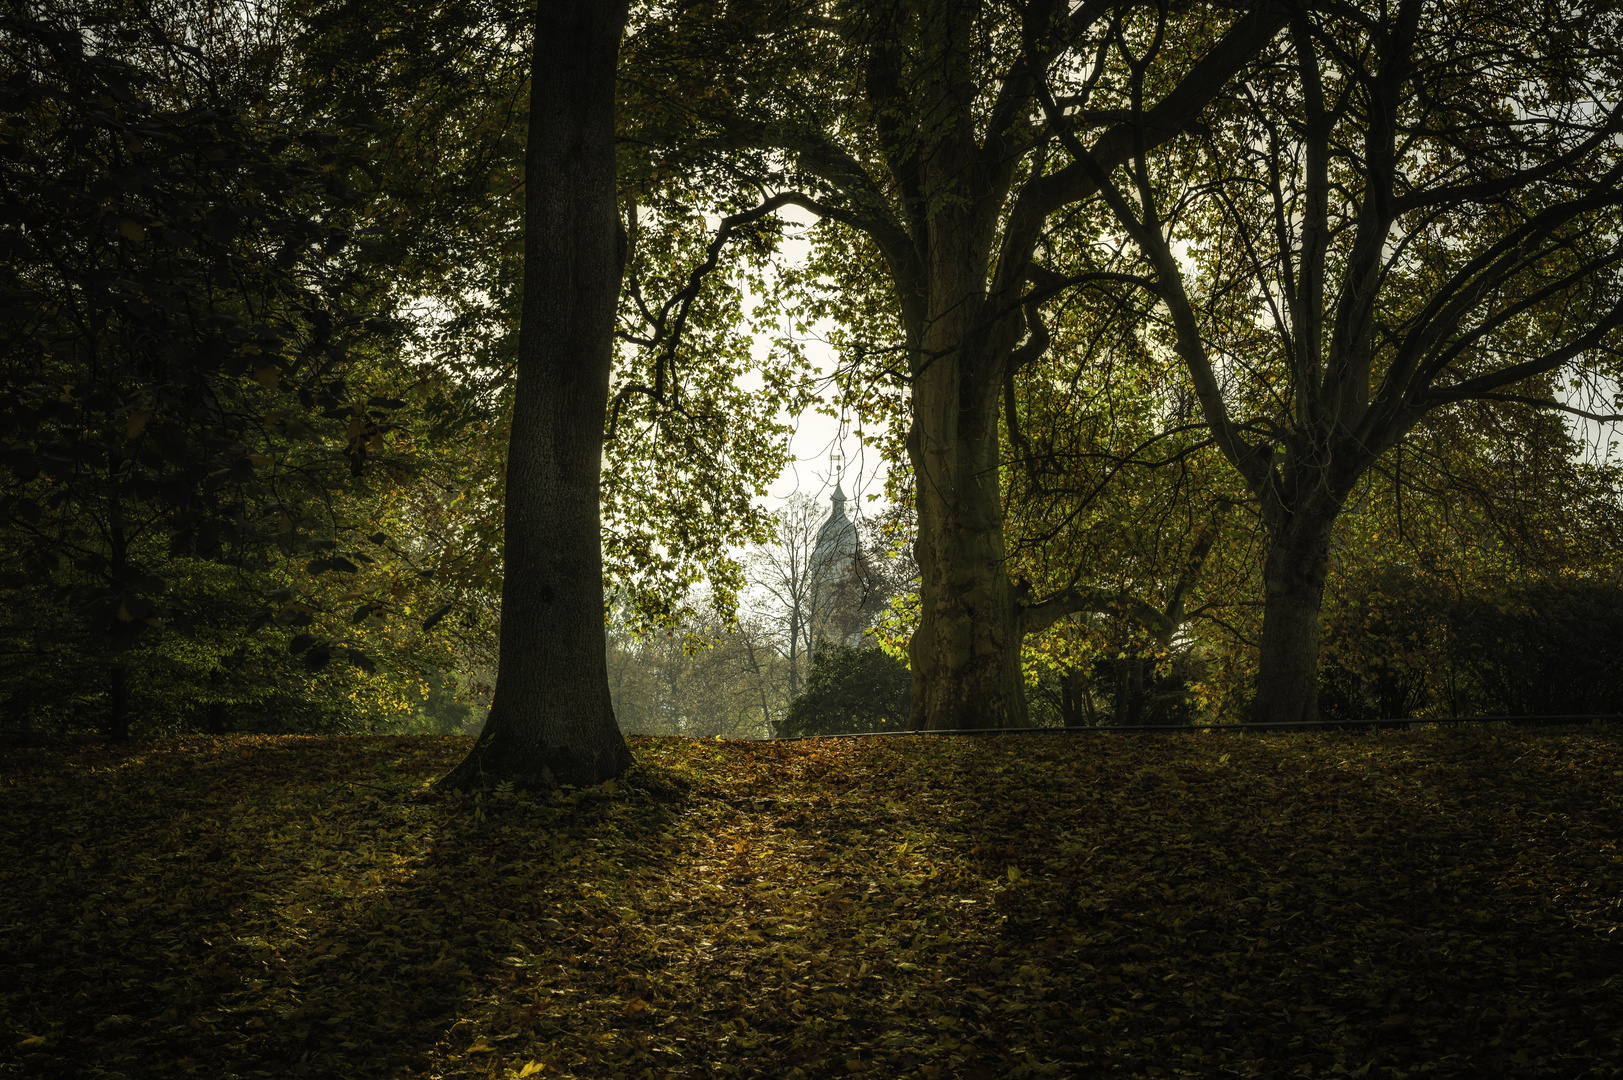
(1437, 901)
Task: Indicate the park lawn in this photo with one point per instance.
(1439, 901)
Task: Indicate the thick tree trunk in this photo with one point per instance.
(966, 651)
(1293, 574)
(552, 720)
(966, 654)
(118, 703)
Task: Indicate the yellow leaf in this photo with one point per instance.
(137, 423)
(1014, 873)
(31, 1041)
(131, 230)
(268, 377)
(259, 459)
(124, 613)
(531, 1069)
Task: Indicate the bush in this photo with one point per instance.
(1547, 649)
(850, 690)
(1399, 646)
(1384, 653)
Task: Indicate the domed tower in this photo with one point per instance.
(834, 556)
(836, 587)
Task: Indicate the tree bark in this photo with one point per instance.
(118, 703)
(552, 720)
(1075, 700)
(1293, 574)
(1135, 690)
(966, 652)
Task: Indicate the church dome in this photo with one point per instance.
(836, 541)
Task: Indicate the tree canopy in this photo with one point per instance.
(1221, 355)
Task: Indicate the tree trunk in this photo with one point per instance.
(552, 720)
(216, 707)
(966, 655)
(118, 703)
(794, 652)
(1135, 690)
(1070, 698)
(1123, 694)
(1293, 574)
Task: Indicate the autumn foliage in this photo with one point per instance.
(1442, 900)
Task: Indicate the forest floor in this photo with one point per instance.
(1438, 901)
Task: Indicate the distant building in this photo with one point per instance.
(834, 556)
(838, 612)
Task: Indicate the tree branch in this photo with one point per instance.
(1551, 403)
(1043, 195)
(669, 333)
(1039, 616)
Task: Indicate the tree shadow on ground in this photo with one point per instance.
(1310, 905)
(965, 908)
(287, 906)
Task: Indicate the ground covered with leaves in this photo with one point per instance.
(1440, 901)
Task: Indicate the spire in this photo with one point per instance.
(837, 539)
(836, 469)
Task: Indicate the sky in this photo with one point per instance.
(813, 468)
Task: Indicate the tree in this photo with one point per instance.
(695, 434)
(913, 130)
(823, 578)
(552, 719)
(791, 597)
(1120, 509)
(1400, 212)
(1436, 537)
(699, 680)
(185, 296)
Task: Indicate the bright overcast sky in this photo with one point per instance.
(816, 435)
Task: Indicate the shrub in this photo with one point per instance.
(850, 690)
